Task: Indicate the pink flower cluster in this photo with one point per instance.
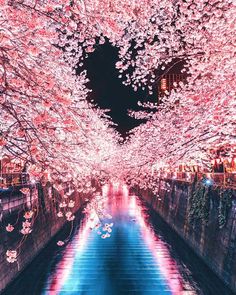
(27, 225)
(11, 256)
(70, 216)
(60, 243)
(28, 214)
(9, 228)
(26, 228)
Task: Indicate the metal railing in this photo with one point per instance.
(13, 179)
(221, 179)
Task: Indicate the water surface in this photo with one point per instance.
(142, 256)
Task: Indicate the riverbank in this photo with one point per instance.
(212, 241)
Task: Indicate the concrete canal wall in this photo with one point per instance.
(46, 225)
(210, 227)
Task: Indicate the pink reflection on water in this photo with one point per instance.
(159, 250)
(64, 267)
(75, 248)
(122, 204)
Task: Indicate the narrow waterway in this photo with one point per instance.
(141, 256)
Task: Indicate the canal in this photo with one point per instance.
(141, 256)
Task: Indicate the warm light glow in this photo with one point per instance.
(163, 84)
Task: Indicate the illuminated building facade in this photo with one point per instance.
(169, 82)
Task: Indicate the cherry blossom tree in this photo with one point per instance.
(47, 122)
(44, 109)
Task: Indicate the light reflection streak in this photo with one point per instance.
(64, 267)
(160, 252)
(74, 249)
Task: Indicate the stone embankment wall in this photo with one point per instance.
(215, 245)
(46, 225)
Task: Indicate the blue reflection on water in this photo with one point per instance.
(132, 261)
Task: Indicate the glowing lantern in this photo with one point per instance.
(163, 84)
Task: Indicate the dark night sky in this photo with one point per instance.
(108, 92)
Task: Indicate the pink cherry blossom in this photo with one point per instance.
(70, 218)
(63, 204)
(26, 224)
(60, 214)
(60, 243)
(11, 256)
(26, 230)
(9, 227)
(28, 214)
